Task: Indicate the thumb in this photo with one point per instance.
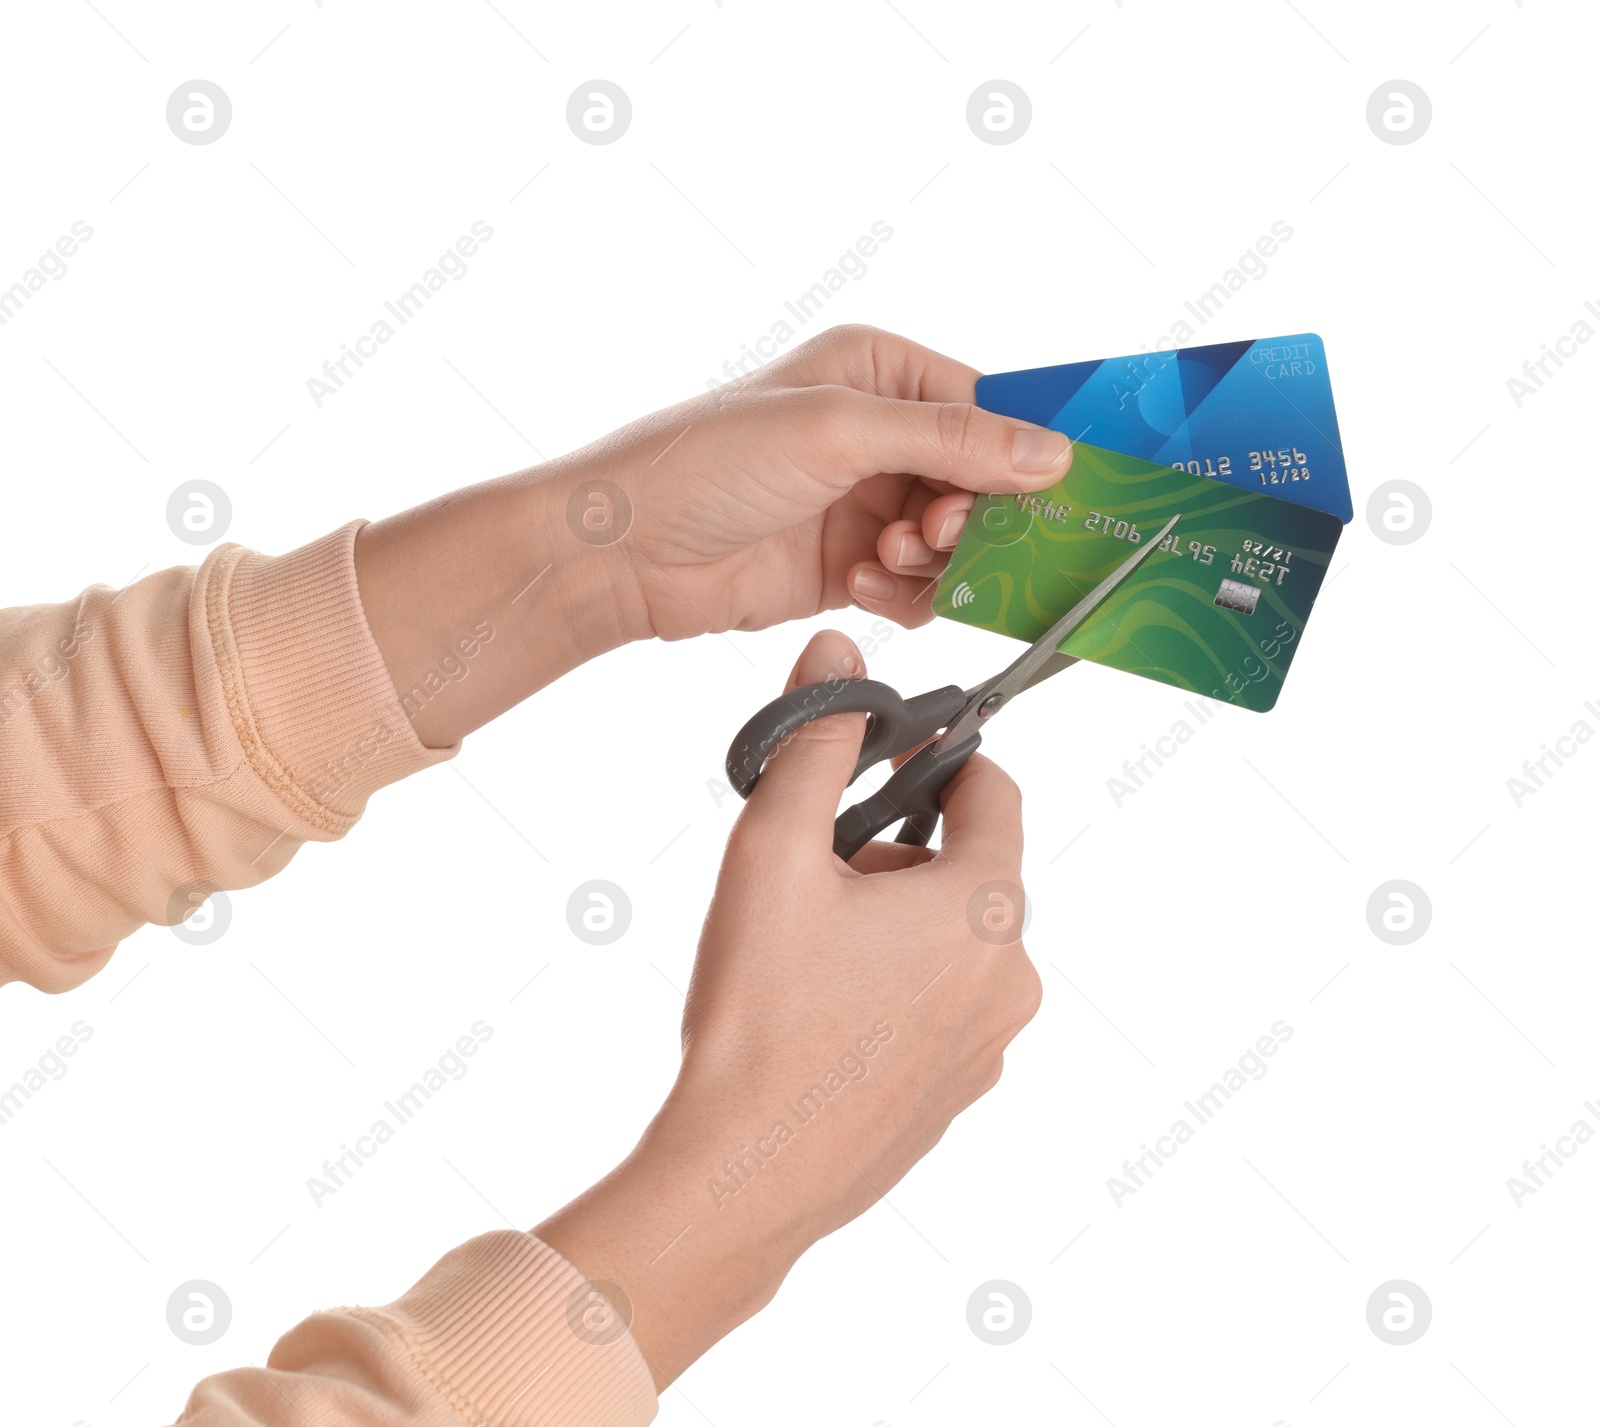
(983, 820)
(798, 794)
(950, 441)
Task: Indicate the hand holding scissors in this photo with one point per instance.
(896, 724)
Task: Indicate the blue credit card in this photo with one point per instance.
(1258, 415)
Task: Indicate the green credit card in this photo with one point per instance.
(1218, 609)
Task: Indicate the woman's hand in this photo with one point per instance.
(839, 1017)
(844, 470)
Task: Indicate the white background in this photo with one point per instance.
(1229, 893)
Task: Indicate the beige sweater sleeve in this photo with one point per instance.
(503, 1332)
(187, 734)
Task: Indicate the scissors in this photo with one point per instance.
(896, 724)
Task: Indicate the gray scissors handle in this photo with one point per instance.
(912, 793)
(894, 724)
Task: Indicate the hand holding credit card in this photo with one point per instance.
(1221, 606)
(1256, 414)
(1218, 609)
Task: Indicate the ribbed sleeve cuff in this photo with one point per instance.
(510, 1332)
(304, 682)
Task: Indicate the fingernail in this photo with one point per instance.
(1035, 451)
(870, 584)
(950, 531)
(807, 670)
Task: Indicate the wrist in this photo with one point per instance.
(692, 1268)
(582, 525)
(480, 598)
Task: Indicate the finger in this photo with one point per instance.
(903, 551)
(890, 857)
(917, 497)
(854, 436)
(830, 654)
(983, 819)
(804, 777)
(944, 520)
(906, 755)
(906, 599)
(872, 360)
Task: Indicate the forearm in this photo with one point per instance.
(692, 1267)
(483, 596)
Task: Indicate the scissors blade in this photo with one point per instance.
(1041, 659)
(1053, 665)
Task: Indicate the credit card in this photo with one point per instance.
(1258, 415)
(1219, 609)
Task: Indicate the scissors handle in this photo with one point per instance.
(894, 724)
(911, 793)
